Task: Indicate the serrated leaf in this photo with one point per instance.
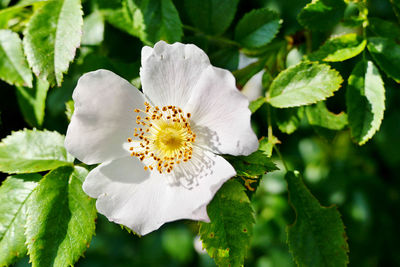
(267, 145)
(60, 219)
(317, 236)
(93, 29)
(257, 163)
(319, 115)
(365, 101)
(256, 104)
(14, 193)
(340, 48)
(288, 119)
(303, 84)
(29, 151)
(386, 53)
(51, 38)
(322, 15)
(211, 16)
(226, 238)
(32, 102)
(150, 20)
(13, 66)
(257, 28)
(69, 109)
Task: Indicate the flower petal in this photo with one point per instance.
(170, 72)
(103, 118)
(182, 75)
(221, 114)
(143, 200)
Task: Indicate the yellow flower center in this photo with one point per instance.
(165, 139)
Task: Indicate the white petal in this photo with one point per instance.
(253, 88)
(221, 115)
(103, 118)
(170, 72)
(143, 200)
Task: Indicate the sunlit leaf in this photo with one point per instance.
(226, 238)
(51, 38)
(14, 193)
(14, 68)
(339, 48)
(317, 236)
(303, 84)
(28, 151)
(365, 100)
(60, 218)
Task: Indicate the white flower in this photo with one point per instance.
(158, 150)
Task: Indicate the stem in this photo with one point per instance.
(217, 39)
(281, 158)
(271, 136)
(307, 34)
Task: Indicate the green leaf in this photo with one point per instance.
(13, 66)
(14, 193)
(257, 28)
(317, 236)
(226, 238)
(4, 3)
(386, 53)
(289, 119)
(61, 218)
(365, 101)
(8, 15)
(257, 163)
(93, 29)
(226, 58)
(340, 48)
(211, 16)
(383, 28)
(319, 115)
(29, 151)
(267, 145)
(150, 20)
(32, 102)
(303, 84)
(322, 15)
(256, 104)
(51, 38)
(69, 106)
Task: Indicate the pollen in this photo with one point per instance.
(165, 137)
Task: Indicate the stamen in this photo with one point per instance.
(165, 139)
